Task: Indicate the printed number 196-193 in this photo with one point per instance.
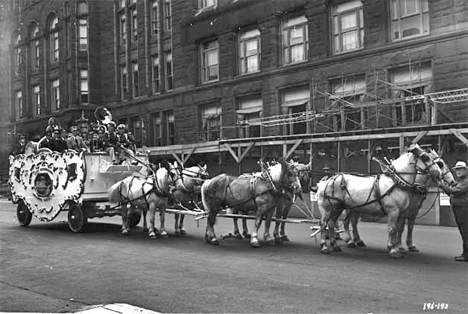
(435, 306)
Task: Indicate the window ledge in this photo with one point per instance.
(206, 9)
(348, 51)
(209, 82)
(410, 37)
(294, 63)
(249, 73)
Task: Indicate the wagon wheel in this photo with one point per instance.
(135, 219)
(77, 218)
(23, 214)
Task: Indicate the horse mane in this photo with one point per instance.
(404, 162)
(162, 178)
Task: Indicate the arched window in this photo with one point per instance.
(17, 54)
(54, 40)
(35, 47)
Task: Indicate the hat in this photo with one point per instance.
(101, 129)
(121, 126)
(56, 131)
(460, 165)
(74, 128)
(326, 168)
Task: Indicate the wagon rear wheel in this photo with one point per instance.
(135, 219)
(77, 218)
(23, 214)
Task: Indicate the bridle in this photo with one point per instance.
(199, 176)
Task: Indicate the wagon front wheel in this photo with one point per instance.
(23, 214)
(135, 219)
(77, 218)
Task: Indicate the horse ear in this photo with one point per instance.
(205, 167)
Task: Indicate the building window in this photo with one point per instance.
(157, 129)
(170, 127)
(295, 40)
(54, 41)
(123, 3)
(294, 104)
(134, 25)
(123, 29)
(135, 89)
(35, 49)
(84, 91)
(55, 94)
(211, 123)
(203, 4)
(411, 80)
(168, 69)
(83, 34)
(345, 92)
(410, 18)
(249, 109)
(154, 18)
(210, 63)
(167, 15)
(82, 8)
(19, 105)
(155, 73)
(123, 81)
(249, 52)
(348, 26)
(18, 57)
(36, 100)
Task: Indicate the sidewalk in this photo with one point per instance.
(116, 308)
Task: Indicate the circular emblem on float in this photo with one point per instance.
(43, 184)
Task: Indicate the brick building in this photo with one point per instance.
(230, 81)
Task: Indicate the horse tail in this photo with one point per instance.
(114, 192)
(203, 191)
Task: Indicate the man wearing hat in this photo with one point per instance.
(327, 172)
(459, 201)
(21, 146)
(75, 141)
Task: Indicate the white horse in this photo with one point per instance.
(380, 195)
(417, 198)
(145, 194)
(187, 190)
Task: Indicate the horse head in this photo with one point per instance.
(304, 174)
(287, 175)
(446, 175)
(425, 163)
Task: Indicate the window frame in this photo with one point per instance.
(245, 130)
(243, 55)
(168, 71)
(84, 92)
(154, 18)
(134, 24)
(83, 42)
(18, 55)
(286, 46)
(54, 41)
(167, 6)
(19, 104)
(123, 28)
(156, 87)
(205, 68)
(36, 100)
(203, 4)
(123, 81)
(336, 21)
(135, 80)
(211, 123)
(422, 10)
(55, 94)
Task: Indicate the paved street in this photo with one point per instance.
(47, 268)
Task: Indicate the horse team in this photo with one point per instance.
(396, 193)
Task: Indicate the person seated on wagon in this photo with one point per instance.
(46, 141)
(20, 147)
(55, 141)
(102, 143)
(75, 141)
(123, 144)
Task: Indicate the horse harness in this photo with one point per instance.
(396, 178)
(155, 188)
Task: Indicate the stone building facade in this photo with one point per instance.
(226, 81)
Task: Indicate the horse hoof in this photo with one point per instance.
(413, 249)
(164, 235)
(183, 232)
(152, 236)
(254, 243)
(125, 232)
(351, 245)
(325, 250)
(247, 235)
(145, 230)
(278, 240)
(238, 236)
(401, 249)
(336, 249)
(214, 241)
(285, 238)
(395, 254)
(271, 242)
(361, 243)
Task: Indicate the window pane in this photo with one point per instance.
(212, 57)
(252, 64)
(348, 21)
(411, 26)
(350, 41)
(297, 35)
(251, 47)
(297, 53)
(409, 7)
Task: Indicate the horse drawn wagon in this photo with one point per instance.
(47, 182)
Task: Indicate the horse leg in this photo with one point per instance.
(181, 225)
(245, 232)
(145, 226)
(284, 237)
(152, 213)
(266, 234)
(237, 234)
(276, 234)
(347, 234)
(324, 223)
(409, 237)
(331, 229)
(176, 226)
(401, 229)
(258, 222)
(394, 218)
(162, 219)
(125, 230)
(356, 236)
(210, 236)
